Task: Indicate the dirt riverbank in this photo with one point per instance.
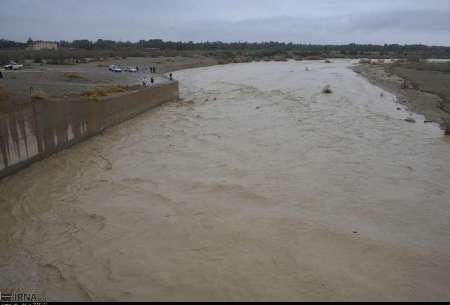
(420, 89)
(61, 81)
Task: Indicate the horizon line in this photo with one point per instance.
(232, 42)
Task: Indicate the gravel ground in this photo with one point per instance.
(51, 78)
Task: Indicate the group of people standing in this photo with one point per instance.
(150, 81)
(153, 70)
(145, 81)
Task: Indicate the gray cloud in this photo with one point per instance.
(410, 20)
(326, 21)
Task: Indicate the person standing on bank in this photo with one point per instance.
(170, 76)
(152, 80)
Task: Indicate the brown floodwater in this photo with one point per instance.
(256, 187)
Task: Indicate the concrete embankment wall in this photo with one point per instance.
(35, 130)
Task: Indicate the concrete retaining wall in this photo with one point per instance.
(35, 130)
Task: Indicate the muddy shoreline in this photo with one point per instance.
(432, 104)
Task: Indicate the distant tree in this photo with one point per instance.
(82, 44)
(5, 44)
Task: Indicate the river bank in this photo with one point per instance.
(418, 87)
(71, 81)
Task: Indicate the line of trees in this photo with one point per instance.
(347, 50)
(9, 44)
(350, 49)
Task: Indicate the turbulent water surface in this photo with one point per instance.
(256, 187)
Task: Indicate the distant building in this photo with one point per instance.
(44, 45)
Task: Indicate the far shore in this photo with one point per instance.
(423, 87)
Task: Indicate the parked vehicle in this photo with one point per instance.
(115, 68)
(13, 66)
(131, 69)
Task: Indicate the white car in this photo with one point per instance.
(131, 69)
(13, 66)
(115, 68)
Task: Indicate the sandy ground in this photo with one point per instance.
(431, 97)
(50, 78)
(256, 187)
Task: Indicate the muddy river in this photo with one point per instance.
(256, 187)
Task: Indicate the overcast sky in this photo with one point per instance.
(311, 21)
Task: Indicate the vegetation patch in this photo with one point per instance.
(280, 58)
(99, 92)
(80, 51)
(74, 75)
(313, 57)
(39, 94)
